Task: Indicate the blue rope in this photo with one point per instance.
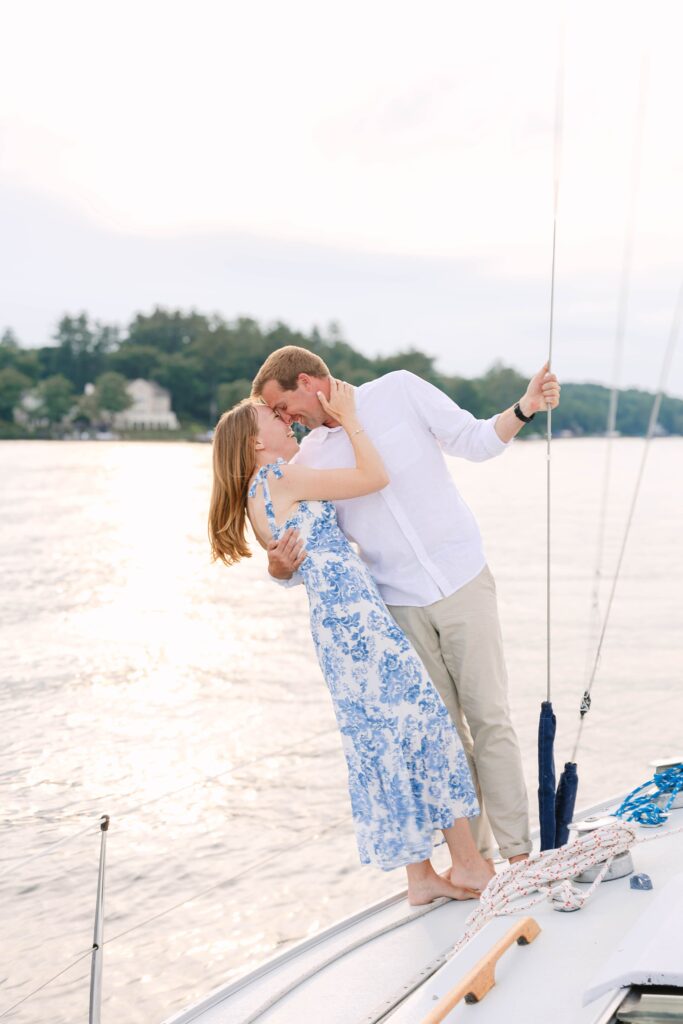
(644, 808)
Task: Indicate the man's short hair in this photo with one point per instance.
(284, 366)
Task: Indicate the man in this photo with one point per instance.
(423, 547)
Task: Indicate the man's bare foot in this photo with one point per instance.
(472, 894)
(436, 887)
(518, 857)
(475, 878)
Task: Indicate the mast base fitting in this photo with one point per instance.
(620, 867)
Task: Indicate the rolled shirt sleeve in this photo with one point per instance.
(457, 431)
(294, 580)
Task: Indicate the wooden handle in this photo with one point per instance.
(481, 978)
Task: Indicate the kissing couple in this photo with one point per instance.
(406, 631)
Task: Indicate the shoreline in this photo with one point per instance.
(207, 436)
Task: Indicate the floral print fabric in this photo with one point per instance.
(408, 774)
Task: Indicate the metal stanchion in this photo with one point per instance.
(96, 968)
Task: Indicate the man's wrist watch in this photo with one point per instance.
(520, 415)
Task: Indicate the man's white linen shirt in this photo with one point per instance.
(417, 536)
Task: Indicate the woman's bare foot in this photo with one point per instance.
(428, 890)
(424, 886)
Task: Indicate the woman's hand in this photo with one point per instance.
(341, 405)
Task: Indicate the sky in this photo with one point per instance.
(385, 165)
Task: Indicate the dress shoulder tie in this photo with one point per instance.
(261, 480)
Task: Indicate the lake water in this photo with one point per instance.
(132, 669)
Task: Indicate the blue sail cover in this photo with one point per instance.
(546, 775)
(565, 801)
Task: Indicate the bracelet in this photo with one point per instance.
(361, 430)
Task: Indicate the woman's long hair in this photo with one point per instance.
(234, 463)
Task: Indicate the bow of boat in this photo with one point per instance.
(380, 961)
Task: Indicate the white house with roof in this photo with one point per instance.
(25, 411)
(150, 408)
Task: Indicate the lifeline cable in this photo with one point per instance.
(307, 840)
(44, 984)
(240, 766)
(654, 415)
(46, 852)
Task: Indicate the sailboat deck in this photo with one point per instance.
(542, 981)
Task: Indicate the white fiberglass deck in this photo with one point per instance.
(543, 981)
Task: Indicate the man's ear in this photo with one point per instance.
(305, 382)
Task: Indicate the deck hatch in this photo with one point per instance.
(651, 1006)
(648, 955)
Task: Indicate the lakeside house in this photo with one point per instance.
(27, 411)
(150, 408)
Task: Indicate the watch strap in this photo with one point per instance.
(520, 415)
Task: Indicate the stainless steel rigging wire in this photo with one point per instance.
(557, 160)
(44, 984)
(308, 839)
(674, 333)
(50, 849)
(133, 809)
(620, 332)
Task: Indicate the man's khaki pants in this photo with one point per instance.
(459, 642)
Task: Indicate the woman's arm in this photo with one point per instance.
(369, 474)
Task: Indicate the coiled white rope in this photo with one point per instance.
(546, 877)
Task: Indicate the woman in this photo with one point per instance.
(408, 775)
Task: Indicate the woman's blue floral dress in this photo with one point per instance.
(408, 774)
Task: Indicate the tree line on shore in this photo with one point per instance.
(207, 363)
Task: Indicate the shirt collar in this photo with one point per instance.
(320, 434)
